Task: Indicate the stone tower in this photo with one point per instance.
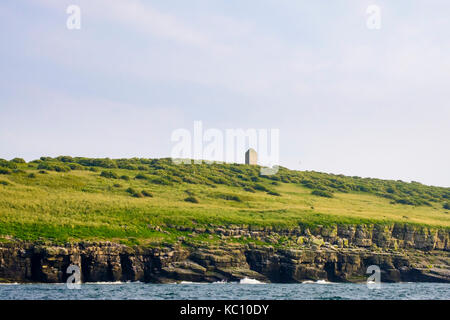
(251, 157)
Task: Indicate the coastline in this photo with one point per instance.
(336, 254)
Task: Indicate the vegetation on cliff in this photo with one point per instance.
(65, 198)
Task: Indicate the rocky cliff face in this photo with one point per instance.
(340, 253)
(395, 236)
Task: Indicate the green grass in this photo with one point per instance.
(74, 201)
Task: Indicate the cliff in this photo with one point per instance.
(334, 253)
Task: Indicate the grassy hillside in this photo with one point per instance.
(66, 199)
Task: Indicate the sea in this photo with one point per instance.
(246, 289)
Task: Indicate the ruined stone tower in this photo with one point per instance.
(251, 157)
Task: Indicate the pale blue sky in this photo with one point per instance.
(346, 99)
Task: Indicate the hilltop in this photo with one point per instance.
(145, 200)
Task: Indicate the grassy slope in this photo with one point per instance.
(80, 204)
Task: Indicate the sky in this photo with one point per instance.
(346, 99)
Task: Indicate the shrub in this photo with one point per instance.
(249, 189)
(64, 158)
(75, 166)
(390, 190)
(138, 195)
(32, 175)
(141, 176)
(127, 166)
(61, 168)
(93, 169)
(135, 193)
(273, 193)
(124, 177)
(191, 199)
(131, 190)
(147, 194)
(18, 160)
(5, 171)
(4, 183)
(53, 167)
(160, 180)
(117, 185)
(109, 175)
(260, 187)
(447, 205)
(43, 172)
(231, 197)
(322, 193)
(8, 164)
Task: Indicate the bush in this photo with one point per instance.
(191, 199)
(141, 176)
(390, 190)
(249, 189)
(161, 181)
(131, 190)
(64, 158)
(53, 167)
(446, 205)
(75, 166)
(109, 175)
(322, 193)
(43, 172)
(146, 194)
(5, 171)
(260, 187)
(117, 185)
(32, 175)
(7, 164)
(231, 197)
(18, 160)
(138, 195)
(4, 183)
(124, 177)
(273, 193)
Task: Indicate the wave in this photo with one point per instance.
(220, 282)
(109, 282)
(250, 281)
(317, 282)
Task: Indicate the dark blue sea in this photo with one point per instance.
(227, 291)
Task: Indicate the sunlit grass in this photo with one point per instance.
(81, 205)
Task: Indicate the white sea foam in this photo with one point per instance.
(308, 281)
(317, 282)
(220, 282)
(323, 282)
(250, 281)
(106, 282)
